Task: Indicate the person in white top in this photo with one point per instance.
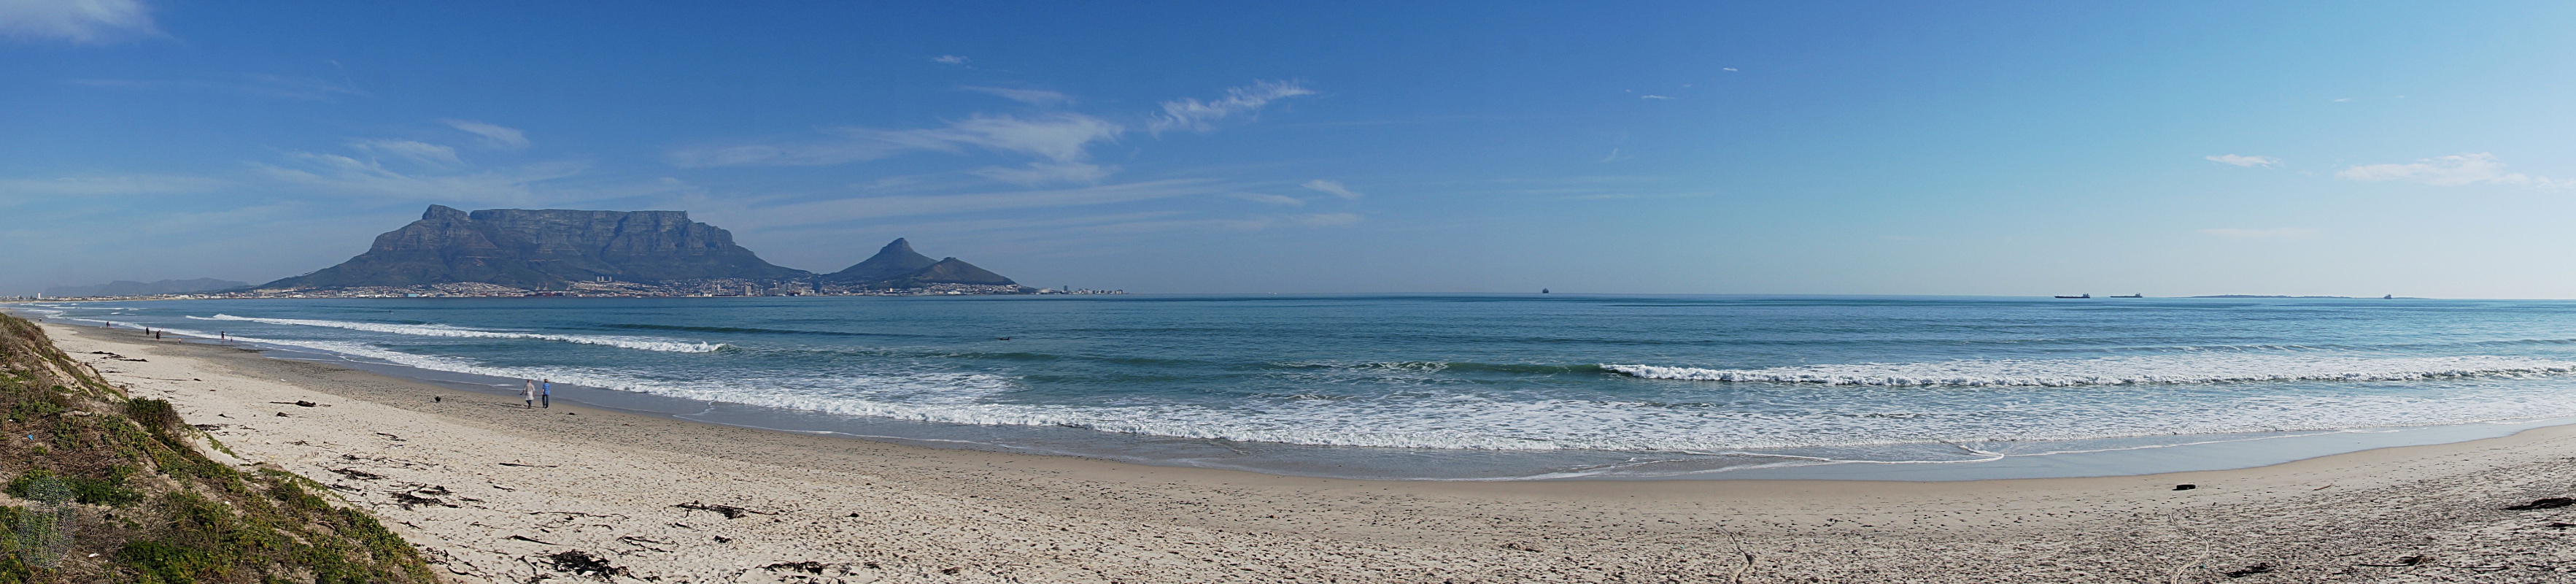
(530, 394)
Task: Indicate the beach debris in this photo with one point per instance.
(581, 563)
(299, 403)
(808, 566)
(2560, 525)
(723, 539)
(2185, 487)
(1521, 547)
(283, 415)
(2406, 562)
(2548, 503)
(410, 501)
(115, 356)
(437, 398)
(729, 511)
(391, 437)
(646, 543)
(2257, 568)
(356, 474)
(527, 465)
(531, 539)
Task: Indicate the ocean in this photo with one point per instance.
(1485, 386)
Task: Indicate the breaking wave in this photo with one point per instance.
(439, 330)
(2174, 369)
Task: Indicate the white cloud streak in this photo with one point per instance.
(2448, 171)
(1041, 173)
(107, 186)
(2245, 161)
(950, 59)
(263, 85)
(1039, 97)
(1059, 138)
(1332, 186)
(1189, 113)
(77, 21)
(494, 135)
(420, 153)
(2271, 233)
(1269, 199)
(908, 205)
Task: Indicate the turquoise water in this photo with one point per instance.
(1474, 386)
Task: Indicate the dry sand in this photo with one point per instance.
(495, 492)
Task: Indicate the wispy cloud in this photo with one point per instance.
(77, 21)
(1027, 96)
(2246, 161)
(1059, 138)
(336, 174)
(1332, 186)
(419, 153)
(1041, 173)
(423, 170)
(107, 186)
(2455, 170)
(2271, 233)
(950, 59)
(1653, 96)
(1189, 113)
(1269, 199)
(494, 135)
(262, 85)
(910, 205)
(1257, 223)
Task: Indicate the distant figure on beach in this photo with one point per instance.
(530, 393)
(546, 393)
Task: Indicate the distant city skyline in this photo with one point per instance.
(2026, 149)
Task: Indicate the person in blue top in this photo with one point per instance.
(546, 393)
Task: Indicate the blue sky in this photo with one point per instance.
(1929, 148)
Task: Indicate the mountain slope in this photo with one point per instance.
(897, 266)
(545, 248)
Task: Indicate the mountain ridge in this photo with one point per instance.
(545, 249)
(641, 252)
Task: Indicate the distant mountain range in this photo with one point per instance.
(550, 249)
(132, 288)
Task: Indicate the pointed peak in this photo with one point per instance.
(898, 243)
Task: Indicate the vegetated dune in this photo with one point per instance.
(152, 499)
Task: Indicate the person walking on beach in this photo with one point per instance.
(530, 394)
(546, 393)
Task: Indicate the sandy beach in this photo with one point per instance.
(495, 492)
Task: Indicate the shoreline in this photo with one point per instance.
(612, 484)
(2072, 458)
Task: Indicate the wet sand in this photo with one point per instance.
(496, 492)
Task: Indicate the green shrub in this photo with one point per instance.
(100, 491)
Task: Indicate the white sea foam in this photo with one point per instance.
(436, 330)
(2163, 369)
(1786, 418)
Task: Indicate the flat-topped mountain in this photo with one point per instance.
(545, 249)
(133, 288)
(897, 266)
